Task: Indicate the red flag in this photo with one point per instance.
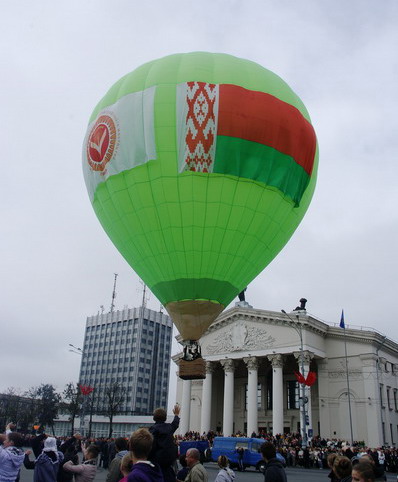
(299, 377)
(86, 389)
(311, 379)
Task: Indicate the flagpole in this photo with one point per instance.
(342, 324)
(303, 415)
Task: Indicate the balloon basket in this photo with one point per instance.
(192, 369)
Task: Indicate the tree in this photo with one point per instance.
(48, 401)
(17, 408)
(72, 399)
(114, 398)
(28, 414)
(92, 401)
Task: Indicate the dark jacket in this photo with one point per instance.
(164, 450)
(37, 444)
(114, 474)
(145, 472)
(46, 466)
(274, 471)
(181, 475)
(69, 449)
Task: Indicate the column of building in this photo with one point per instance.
(228, 415)
(374, 410)
(252, 383)
(324, 397)
(185, 406)
(277, 393)
(206, 398)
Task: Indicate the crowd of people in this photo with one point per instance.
(150, 455)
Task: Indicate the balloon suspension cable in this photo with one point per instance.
(192, 350)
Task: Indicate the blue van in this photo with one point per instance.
(251, 456)
(201, 445)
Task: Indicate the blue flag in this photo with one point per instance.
(342, 324)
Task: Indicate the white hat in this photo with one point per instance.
(50, 445)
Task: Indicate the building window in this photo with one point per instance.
(293, 395)
(258, 396)
(269, 390)
(381, 396)
(388, 398)
(395, 400)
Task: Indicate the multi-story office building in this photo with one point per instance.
(131, 347)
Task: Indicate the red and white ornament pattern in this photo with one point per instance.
(201, 126)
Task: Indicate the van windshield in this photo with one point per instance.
(255, 447)
(244, 445)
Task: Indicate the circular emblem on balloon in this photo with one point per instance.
(101, 142)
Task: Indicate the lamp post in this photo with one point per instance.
(78, 351)
(298, 328)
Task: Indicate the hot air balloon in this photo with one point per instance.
(199, 167)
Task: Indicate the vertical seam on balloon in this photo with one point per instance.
(208, 176)
(245, 260)
(178, 177)
(224, 181)
(165, 252)
(127, 188)
(208, 179)
(203, 231)
(227, 221)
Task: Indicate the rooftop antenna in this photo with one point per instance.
(113, 294)
(144, 295)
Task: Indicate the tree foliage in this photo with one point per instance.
(71, 402)
(114, 398)
(17, 408)
(48, 401)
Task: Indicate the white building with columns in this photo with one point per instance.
(251, 358)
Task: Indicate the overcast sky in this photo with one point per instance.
(59, 58)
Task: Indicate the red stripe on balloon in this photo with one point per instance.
(260, 117)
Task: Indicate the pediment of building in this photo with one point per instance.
(238, 336)
(245, 331)
(241, 332)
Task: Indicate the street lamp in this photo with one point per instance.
(297, 326)
(78, 351)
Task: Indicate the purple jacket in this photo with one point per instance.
(145, 472)
(11, 459)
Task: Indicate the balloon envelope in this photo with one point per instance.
(199, 167)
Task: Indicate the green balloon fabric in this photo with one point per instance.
(200, 167)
